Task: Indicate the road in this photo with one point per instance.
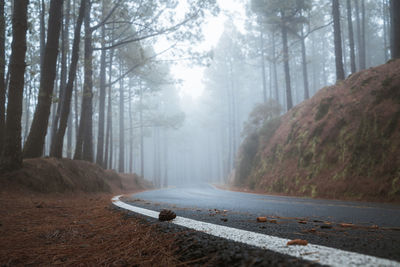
(375, 231)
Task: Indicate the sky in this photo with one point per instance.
(191, 77)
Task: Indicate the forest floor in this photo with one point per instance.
(73, 228)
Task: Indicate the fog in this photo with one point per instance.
(176, 80)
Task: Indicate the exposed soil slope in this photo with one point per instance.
(343, 143)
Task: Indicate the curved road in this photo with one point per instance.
(206, 196)
(375, 230)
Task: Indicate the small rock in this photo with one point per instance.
(273, 221)
(224, 219)
(39, 205)
(326, 226)
(302, 222)
(166, 215)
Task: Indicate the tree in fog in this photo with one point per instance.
(351, 37)
(12, 154)
(283, 14)
(34, 144)
(395, 26)
(337, 40)
(65, 101)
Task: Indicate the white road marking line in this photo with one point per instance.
(315, 253)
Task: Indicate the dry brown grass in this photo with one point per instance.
(77, 230)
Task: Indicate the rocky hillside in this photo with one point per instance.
(343, 143)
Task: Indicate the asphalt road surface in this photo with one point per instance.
(374, 229)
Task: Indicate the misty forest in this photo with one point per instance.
(199, 104)
(179, 91)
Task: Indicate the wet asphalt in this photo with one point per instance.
(374, 227)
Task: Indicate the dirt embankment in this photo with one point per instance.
(343, 143)
(58, 212)
(51, 175)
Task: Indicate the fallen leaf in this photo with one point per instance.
(273, 221)
(299, 242)
(346, 225)
(261, 219)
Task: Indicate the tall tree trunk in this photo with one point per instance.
(141, 131)
(395, 27)
(337, 40)
(286, 68)
(69, 137)
(121, 161)
(27, 112)
(363, 57)
(102, 98)
(275, 71)
(63, 74)
(305, 68)
(351, 38)
(84, 145)
(385, 34)
(358, 24)
(130, 133)
(165, 139)
(34, 144)
(66, 101)
(2, 74)
(42, 34)
(12, 155)
(107, 154)
(262, 59)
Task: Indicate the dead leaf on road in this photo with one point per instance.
(261, 219)
(299, 242)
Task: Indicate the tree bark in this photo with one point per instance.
(2, 74)
(12, 155)
(262, 59)
(141, 132)
(42, 34)
(395, 28)
(84, 145)
(286, 68)
(34, 144)
(337, 40)
(121, 160)
(66, 103)
(102, 97)
(305, 68)
(351, 38)
(107, 154)
(63, 74)
(275, 71)
(385, 31)
(130, 132)
(363, 57)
